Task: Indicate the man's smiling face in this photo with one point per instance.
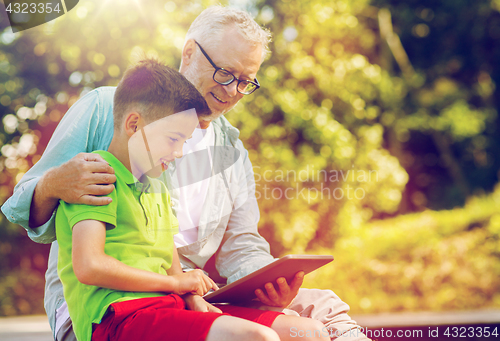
(233, 53)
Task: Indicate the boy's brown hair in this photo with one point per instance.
(155, 91)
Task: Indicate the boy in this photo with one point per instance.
(117, 262)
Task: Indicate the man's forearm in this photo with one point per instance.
(42, 203)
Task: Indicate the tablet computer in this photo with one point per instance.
(244, 288)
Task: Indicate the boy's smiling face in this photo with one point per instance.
(152, 147)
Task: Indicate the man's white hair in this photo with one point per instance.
(208, 28)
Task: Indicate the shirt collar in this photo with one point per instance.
(222, 125)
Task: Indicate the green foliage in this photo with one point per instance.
(446, 130)
(22, 265)
(434, 260)
(21, 293)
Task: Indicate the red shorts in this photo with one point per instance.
(166, 318)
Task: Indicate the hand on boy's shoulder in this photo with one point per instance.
(83, 180)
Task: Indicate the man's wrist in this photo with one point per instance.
(46, 187)
(43, 203)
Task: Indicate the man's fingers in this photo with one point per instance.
(101, 178)
(263, 298)
(99, 167)
(283, 285)
(91, 157)
(271, 293)
(99, 189)
(297, 281)
(94, 201)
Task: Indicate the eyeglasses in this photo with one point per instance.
(225, 77)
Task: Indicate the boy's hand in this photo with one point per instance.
(198, 303)
(195, 282)
(82, 179)
(286, 292)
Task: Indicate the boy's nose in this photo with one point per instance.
(178, 153)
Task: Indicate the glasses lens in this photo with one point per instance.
(246, 87)
(223, 77)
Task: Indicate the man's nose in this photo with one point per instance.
(231, 88)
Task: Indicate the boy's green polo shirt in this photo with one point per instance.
(139, 232)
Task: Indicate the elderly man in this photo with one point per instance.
(218, 214)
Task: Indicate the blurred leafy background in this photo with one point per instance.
(374, 137)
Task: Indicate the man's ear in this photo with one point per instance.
(188, 52)
(132, 123)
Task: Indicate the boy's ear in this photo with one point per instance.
(132, 123)
(188, 52)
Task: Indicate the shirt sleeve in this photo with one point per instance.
(74, 213)
(77, 132)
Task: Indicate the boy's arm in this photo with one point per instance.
(93, 267)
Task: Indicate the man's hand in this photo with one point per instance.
(286, 292)
(82, 179)
(77, 181)
(198, 303)
(195, 282)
